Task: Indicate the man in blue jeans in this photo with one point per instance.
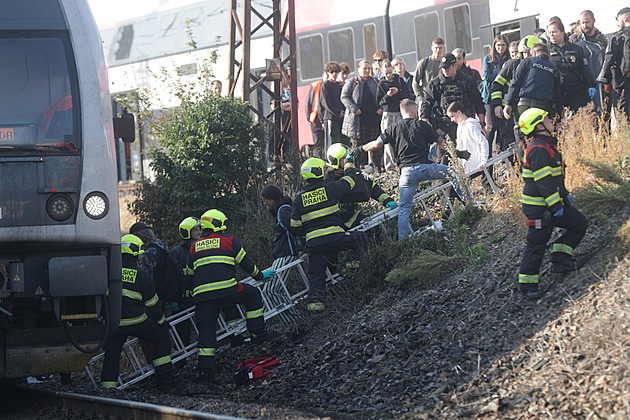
(411, 139)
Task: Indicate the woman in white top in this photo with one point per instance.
(470, 138)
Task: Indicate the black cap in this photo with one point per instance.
(623, 12)
(137, 227)
(447, 61)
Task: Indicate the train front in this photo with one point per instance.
(60, 261)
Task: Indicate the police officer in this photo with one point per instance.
(500, 86)
(451, 85)
(616, 58)
(577, 82)
(546, 203)
(536, 83)
(350, 213)
(211, 261)
(316, 215)
(141, 316)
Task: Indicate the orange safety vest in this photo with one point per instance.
(315, 104)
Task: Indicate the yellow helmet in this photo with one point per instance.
(530, 119)
(131, 244)
(336, 152)
(213, 219)
(313, 168)
(526, 44)
(187, 225)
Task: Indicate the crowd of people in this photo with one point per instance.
(526, 85)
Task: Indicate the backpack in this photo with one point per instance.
(296, 243)
(625, 57)
(254, 369)
(168, 278)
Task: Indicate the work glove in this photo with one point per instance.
(607, 88)
(268, 275)
(392, 205)
(174, 307)
(591, 92)
(463, 154)
(569, 199)
(559, 213)
(354, 153)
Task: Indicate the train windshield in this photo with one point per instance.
(36, 112)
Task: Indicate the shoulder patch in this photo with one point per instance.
(210, 243)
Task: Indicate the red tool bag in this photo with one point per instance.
(254, 369)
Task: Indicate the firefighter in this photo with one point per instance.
(547, 204)
(350, 212)
(211, 261)
(316, 215)
(142, 317)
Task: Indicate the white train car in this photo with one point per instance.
(59, 222)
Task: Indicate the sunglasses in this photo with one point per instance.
(378, 59)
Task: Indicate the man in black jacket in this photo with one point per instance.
(616, 70)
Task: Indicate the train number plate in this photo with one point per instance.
(6, 134)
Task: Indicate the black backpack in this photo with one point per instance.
(168, 278)
(296, 243)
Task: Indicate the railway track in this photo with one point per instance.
(28, 403)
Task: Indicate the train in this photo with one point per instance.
(340, 30)
(60, 256)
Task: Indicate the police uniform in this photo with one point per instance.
(536, 84)
(444, 92)
(142, 317)
(544, 194)
(498, 92)
(611, 71)
(316, 215)
(211, 261)
(574, 71)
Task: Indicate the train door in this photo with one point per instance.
(514, 30)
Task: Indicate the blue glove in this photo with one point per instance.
(559, 213)
(174, 307)
(569, 198)
(268, 274)
(592, 92)
(392, 205)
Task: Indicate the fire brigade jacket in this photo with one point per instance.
(138, 295)
(316, 208)
(543, 175)
(502, 82)
(212, 262)
(349, 211)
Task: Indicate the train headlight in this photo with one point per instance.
(96, 205)
(59, 207)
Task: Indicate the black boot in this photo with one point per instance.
(166, 383)
(530, 291)
(567, 265)
(236, 340)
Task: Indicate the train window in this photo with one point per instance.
(123, 42)
(341, 46)
(369, 40)
(311, 56)
(168, 32)
(457, 28)
(426, 29)
(36, 107)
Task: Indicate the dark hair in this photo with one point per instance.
(381, 55)
(493, 54)
(457, 106)
(332, 66)
(271, 192)
(515, 44)
(558, 23)
(437, 41)
(540, 48)
(345, 68)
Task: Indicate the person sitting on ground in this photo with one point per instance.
(284, 250)
(212, 262)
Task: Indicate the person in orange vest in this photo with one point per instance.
(315, 117)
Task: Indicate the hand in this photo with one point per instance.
(358, 112)
(569, 199)
(268, 274)
(354, 152)
(481, 166)
(507, 112)
(591, 92)
(392, 205)
(559, 213)
(379, 112)
(607, 88)
(498, 111)
(392, 91)
(174, 307)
